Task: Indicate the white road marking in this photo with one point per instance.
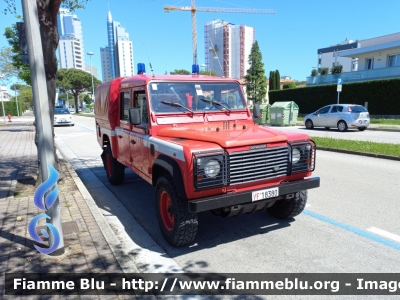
(385, 234)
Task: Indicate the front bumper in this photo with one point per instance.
(225, 200)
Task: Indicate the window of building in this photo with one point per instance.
(369, 63)
(125, 98)
(393, 60)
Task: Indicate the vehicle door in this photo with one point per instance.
(139, 137)
(320, 117)
(333, 115)
(123, 130)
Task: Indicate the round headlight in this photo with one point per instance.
(212, 168)
(295, 155)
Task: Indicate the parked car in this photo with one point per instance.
(62, 116)
(340, 116)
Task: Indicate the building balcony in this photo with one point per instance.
(358, 76)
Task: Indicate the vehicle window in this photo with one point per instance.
(324, 110)
(190, 95)
(61, 111)
(358, 108)
(125, 98)
(140, 102)
(336, 109)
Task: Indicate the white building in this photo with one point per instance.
(71, 52)
(227, 48)
(369, 59)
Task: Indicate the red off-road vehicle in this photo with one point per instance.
(194, 139)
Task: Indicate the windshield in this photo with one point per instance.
(195, 96)
(358, 109)
(61, 111)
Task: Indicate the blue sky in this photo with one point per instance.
(288, 39)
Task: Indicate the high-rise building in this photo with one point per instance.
(117, 57)
(70, 46)
(227, 48)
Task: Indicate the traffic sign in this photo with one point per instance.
(339, 85)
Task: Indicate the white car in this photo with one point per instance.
(340, 116)
(62, 116)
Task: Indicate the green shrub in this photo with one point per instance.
(337, 69)
(11, 108)
(383, 96)
(314, 72)
(324, 71)
(289, 85)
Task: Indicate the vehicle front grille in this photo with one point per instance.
(254, 165)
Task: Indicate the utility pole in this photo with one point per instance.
(42, 113)
(2, 101)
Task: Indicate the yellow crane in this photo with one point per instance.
(193, 10)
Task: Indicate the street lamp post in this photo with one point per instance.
(91, 72)
(16, 101)
(2, 101)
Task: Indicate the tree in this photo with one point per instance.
(25, 96)
(337, 69)
(289, 85)
(314, 73)
(24, 72)
(256, 82)
(204, 72)
(271, 80)
(47, 13)
(180, 72)
(277, 80)
(7, 70)
(76, 82)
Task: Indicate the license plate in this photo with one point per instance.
(265, 194)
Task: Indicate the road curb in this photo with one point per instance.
(122, 258)
(359, 153)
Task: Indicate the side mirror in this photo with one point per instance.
(134, 116)
(316, 113)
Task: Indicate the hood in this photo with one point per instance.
(241, 135)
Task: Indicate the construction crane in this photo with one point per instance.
(193, 10)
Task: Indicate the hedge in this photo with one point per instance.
(383, 96)
(11, 108)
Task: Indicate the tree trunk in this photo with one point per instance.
(47, 11)
(76, 100)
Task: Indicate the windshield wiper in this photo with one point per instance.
(216, 103)
(174, 104)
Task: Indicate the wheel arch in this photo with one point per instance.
(166, 165)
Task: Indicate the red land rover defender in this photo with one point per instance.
(194, 139)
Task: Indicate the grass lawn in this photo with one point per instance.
(386, 121)
(361, 146)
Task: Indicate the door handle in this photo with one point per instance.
(120, 136)
(133, 142)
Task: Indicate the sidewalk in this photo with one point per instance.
(87, 246)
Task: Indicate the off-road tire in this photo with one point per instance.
(361, 128)
(114, 169)
(284, 209)
(342, 126)
(177, 224)
(309, 124)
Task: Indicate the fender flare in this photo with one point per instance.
(172, 167)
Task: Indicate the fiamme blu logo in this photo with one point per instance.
(44, 198)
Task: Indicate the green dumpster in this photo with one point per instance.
(284, 113)
(264, 117)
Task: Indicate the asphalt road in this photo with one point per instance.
(351, 134)
(350, 224)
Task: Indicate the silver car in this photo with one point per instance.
(340, 116)
(62, 116)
